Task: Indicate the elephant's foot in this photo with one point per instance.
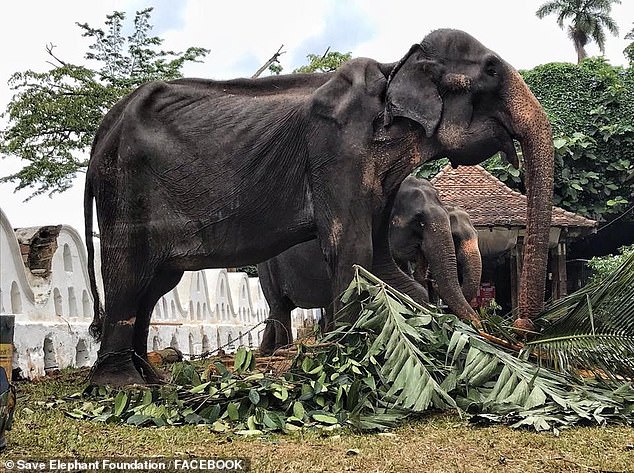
(115, 369)
(149, 373)
(524, 327)
(475, 321)
(267, 346)
(275, 336)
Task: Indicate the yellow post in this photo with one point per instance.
(6, 343)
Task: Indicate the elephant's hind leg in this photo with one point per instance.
(163, 282)
(126, 281)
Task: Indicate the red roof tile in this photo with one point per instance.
(488, 201)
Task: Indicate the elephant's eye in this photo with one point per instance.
(490, 67)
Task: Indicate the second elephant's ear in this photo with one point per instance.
(412, 92)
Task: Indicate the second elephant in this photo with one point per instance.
(423, 232)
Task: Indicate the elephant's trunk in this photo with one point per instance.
(444, 268)
(532, 128)
(469, 266)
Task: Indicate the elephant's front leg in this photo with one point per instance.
(345, 241)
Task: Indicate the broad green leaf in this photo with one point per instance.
(270, 420)
(240, 359)
(251, 423)
(254, 397)
(249, 432)
(307, 364)
(254, 377)
(147, 397)
(232, 411)
(219, 426)
(325, 419)
(298, 410)
(200, 388)
(281, 393)
(317, 369)
(76, 414)
(139, 420)
(120, 403)
(211, 413)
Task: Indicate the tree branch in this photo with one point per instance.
(273, 59)
(49, 49)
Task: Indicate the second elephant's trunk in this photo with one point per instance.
(469, 267)
(440, 254)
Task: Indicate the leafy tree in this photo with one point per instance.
(327, 62)
(603, 266)
(591, 108)
(588, 20)
(54, 115)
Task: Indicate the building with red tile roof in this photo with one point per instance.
(499, 214)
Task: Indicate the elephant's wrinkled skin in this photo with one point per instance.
(423, 233)
(192, 173)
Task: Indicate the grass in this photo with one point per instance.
(437, 443)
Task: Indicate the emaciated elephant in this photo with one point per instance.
(424, 234)
(192, 173)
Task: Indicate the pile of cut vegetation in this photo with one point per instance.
(400, 359)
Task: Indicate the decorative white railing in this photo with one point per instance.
(208, 309)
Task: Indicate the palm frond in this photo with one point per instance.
(410, 372)
(425, 359)
(553, 7)
(592, 329)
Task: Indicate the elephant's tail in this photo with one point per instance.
(96, 326)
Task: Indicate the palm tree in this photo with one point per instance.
(589, 19)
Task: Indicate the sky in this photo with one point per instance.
(242, 35)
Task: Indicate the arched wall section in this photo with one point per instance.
(208, 309)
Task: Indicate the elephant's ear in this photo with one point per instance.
(412, 92)
(353, 94)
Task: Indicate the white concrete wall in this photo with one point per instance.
(207, 309)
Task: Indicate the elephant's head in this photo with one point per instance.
(472, 104)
